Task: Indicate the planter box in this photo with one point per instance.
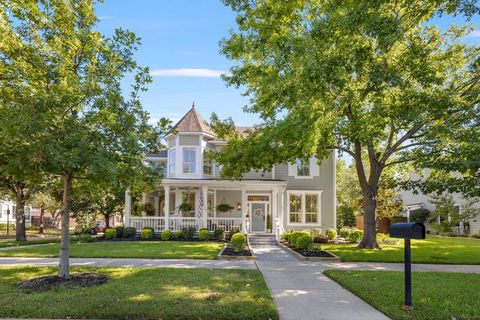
(302, 257)
(220, 255)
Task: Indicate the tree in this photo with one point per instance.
(89, 130)
(46, 203)
(369, 79)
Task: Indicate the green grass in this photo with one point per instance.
(12, 243)
(434, 249)
(142, 293)
(435, 295)
(124, 249)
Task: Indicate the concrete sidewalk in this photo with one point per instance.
(151, 263)
(301, 291)
(378, 266)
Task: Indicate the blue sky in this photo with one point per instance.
(184, 34)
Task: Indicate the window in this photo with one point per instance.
(311, 208)
(189, 198)
(189, 155)
(207, 167)
(303, 169)
(304, 207)
(171, 161)
(295, 215)
(258, 198)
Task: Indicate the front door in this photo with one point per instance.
(258, 216)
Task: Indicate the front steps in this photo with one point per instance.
(262, 239)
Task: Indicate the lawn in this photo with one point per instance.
(435, 295)
(434, 249)
(124, 249)
(13, 243)
(32, 233)
(142, 293)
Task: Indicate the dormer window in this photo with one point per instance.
(303, 168)
(189, 160)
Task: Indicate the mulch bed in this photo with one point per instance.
(313, 253)
(228, 251)
(79, 279)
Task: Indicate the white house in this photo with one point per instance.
(193, 193)
(7, 212)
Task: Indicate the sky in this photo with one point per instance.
(180, 46)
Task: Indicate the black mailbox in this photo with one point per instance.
(412, 230)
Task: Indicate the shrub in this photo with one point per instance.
(110, 233)
(188, 233)
(219, 234)
(476, 236)
(304, 242)
(419, 215)
(238, 242)
(345, 216)
(355, 236)
(179, 235)
(129, 232)
(146, 233)
(295, 235)
(286, 235)
(3, 226)
(87, 230)
(84, 238)
(119, 231)
(320, 239)
(203, 235)
(32, 228)
(166, 235)
(345, 232)
(316, 232)
(331, 233)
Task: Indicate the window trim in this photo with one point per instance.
(172, 162)
(195, 162)
(303, 194)
(301, 164)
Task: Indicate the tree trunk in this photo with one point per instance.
(107, 220)
(42, 213)
(20, 234)
(369, 240)
(63, 270)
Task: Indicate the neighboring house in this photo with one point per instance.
(7, 212)
(413, 201)
(193, 193)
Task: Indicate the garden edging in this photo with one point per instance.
(301, 257)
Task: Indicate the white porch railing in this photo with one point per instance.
(226, 224)
(178, 223)
(157, 223)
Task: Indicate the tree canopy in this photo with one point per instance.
(371, 79)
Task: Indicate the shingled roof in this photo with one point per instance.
(192, 121)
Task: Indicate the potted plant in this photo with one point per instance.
(224, 207)
(269, 223)
(185, 207)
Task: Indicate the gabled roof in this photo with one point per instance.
(192, 121)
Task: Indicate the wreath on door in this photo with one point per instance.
(258, 212)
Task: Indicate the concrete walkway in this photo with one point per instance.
(150, 263)
(301, 291)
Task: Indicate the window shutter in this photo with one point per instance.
(314, 167)
(292, 169)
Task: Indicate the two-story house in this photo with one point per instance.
(193, 193)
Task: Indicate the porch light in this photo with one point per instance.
(239, 206)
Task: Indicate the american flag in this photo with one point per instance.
(200, 206)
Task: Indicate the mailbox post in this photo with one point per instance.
(407, 231)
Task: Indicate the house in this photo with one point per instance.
(194, 194)
(419, 200)
(7, 212)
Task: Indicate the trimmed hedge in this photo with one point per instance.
(129, 232)
(203, 235)
(110, 233)
(119, 231)
(295, 235)
(179, 235)
(331, 233)
(146, 233)
(355, 236)
(166, 235)
(345, 232)
(219, 234)
(304, 242)
(238, 242)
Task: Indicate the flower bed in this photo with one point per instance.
(309, 254)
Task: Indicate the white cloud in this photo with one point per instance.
(184, 72)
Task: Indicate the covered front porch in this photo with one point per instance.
(249, 206)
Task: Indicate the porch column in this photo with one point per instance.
(167, 206)
(275, 212)
(205, 207)
(144, 201)
(157, 206)
(127, 210)
(244, 209)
